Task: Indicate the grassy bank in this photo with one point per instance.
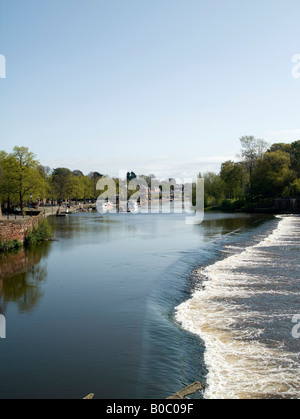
(42, 233)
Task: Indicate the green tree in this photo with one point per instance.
(281, 147)
(235, 178)
(295, 188)
(130, 176)
(295, 157)
(213, 189)
(94, 176)
(77, 188)
(22, 177)
(252, 150)
(8, 185)
(273, 175)
(148, 178)
(82, 187)
(61, 182)
(77, 173)
(1, 180)
(88, 188)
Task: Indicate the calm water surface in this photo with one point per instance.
(94, 310)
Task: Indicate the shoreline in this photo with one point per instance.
(17, 233)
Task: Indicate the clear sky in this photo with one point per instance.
(161, 86)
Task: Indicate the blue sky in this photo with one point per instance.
(160, 86)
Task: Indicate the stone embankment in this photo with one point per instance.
(17, 229)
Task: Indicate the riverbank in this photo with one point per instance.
(17, 229)
(278, 206)
(27, 231)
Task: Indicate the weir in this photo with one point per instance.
(180, 395)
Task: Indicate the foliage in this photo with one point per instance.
(10, 246)
(61, 183)
(294, 188)
(21, 179)
(235, 179)
(273, 175)
(263, 172)
(252, 150)
(41, 233)
(295, 157)
(229, 205)
(213, 190)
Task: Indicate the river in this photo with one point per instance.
(105, 308)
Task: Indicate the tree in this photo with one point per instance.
(82, 187)
(148, 178)
(7, 184)
(272, 176)
(77, 173)
(45, 171)
(295, 157)
(94, 176)
(61, 181)
(213, 189)
(295, 188)
(281, 147)
(1, 179)
(234, 176)
(88, 188)
(252, 150)
(130, 176)
(22, 176)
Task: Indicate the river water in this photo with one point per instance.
(137, 306)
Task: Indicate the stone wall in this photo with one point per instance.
(17, 229)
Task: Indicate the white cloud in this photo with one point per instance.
(161, 166)
(284, 136)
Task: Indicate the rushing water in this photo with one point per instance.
(117, 305)
(242, 307)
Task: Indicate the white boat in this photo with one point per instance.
(107, 206)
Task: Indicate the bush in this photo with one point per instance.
(230, 205)
(44, 230)
(10, 246)
(41, 233)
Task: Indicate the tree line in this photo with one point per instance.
(23, 181)
(262, 173)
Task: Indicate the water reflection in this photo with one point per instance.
(84, 226)
(230, 223)
(21, 276)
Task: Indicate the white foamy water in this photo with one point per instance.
(243, 312)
